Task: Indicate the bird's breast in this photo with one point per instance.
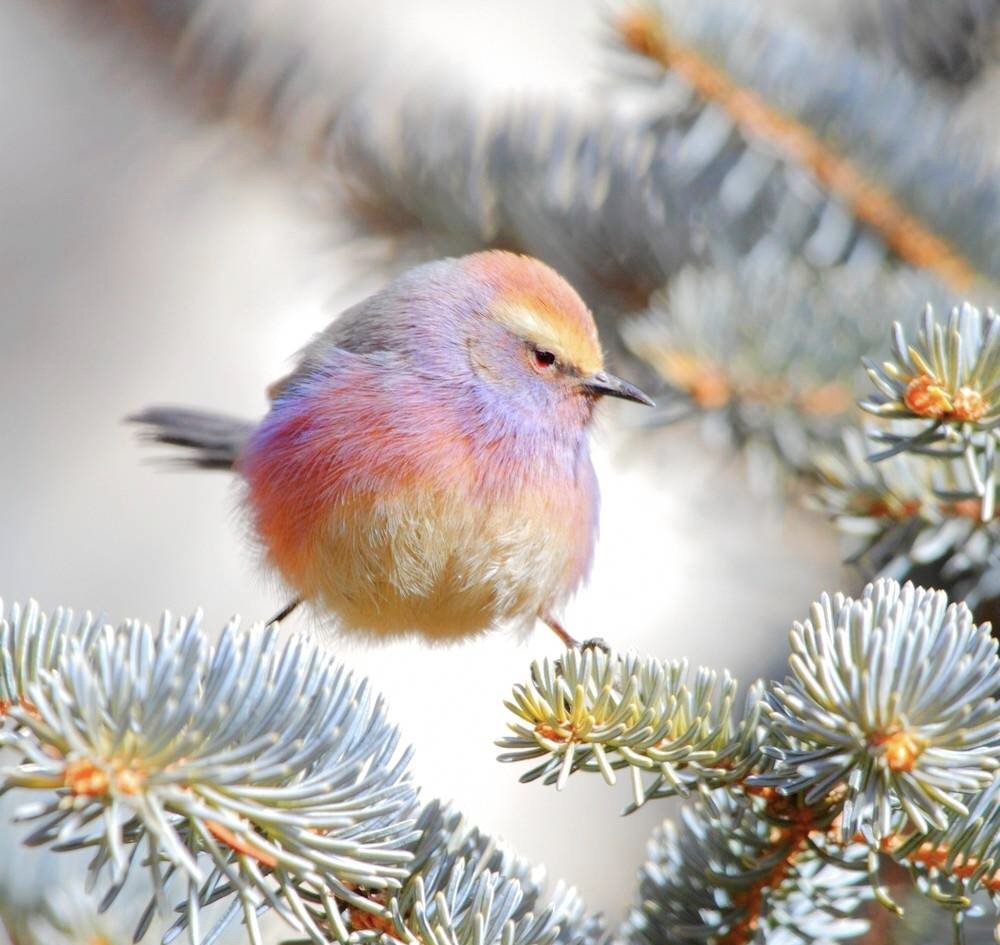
(437, 564)
(396, 533)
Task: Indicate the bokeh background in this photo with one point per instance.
(149, 255)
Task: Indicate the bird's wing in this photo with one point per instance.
(341, 333)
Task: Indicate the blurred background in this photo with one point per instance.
(189, 191)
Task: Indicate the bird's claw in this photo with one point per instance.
(596, 643)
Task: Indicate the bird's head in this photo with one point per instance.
(534, 343)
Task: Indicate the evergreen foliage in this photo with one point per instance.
(748, 207)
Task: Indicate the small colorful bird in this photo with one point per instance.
(424, 469)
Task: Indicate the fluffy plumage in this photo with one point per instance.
(425, 467)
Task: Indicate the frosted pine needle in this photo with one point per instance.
(947, 384)
(466, 889)
(725, 874)
(767, 352)
(241, 768)
(891, 698)
(909, 513)
(669, 728)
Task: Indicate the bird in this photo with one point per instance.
(424, 469)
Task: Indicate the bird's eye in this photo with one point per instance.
(544, 359)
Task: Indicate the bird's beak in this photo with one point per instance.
(603, 384)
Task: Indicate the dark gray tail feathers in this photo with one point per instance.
(213, 440)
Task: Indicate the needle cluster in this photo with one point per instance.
(241, 777)
(882, 744)
(249, 770)
(766, 352)
(915, 491)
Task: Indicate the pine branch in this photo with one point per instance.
(891, 700)
(427, 168)
(909, 517)
(247, 776)
(736, 868)
(883, 742)
(617, 203)
(240, 768)
(950, 864)
(879, 146)
(767, 351)
(592, 194)
(465, 889)
(593, 712)
(916, 494)
(256, 775)
(946, 385)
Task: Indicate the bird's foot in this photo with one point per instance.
(285, 611)
(570, 642)
(560, 631)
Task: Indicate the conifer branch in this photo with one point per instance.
(246, 776)
(618, 203)
(916, 492)
(890, 700)
(593, 712)
(740, 868)
(244, 767)
(719, 50)
(463, 888)
(883, 742)
(945, 388)
(767, 351)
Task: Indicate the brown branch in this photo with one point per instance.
(790, 839)
(962, 866)
(644, 32)
(239, 845)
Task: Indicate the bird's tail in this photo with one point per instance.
(213, 440)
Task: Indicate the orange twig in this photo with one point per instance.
(230, 839)
(791, 838)
(963, 866)
(643, 32)
(28, 707)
